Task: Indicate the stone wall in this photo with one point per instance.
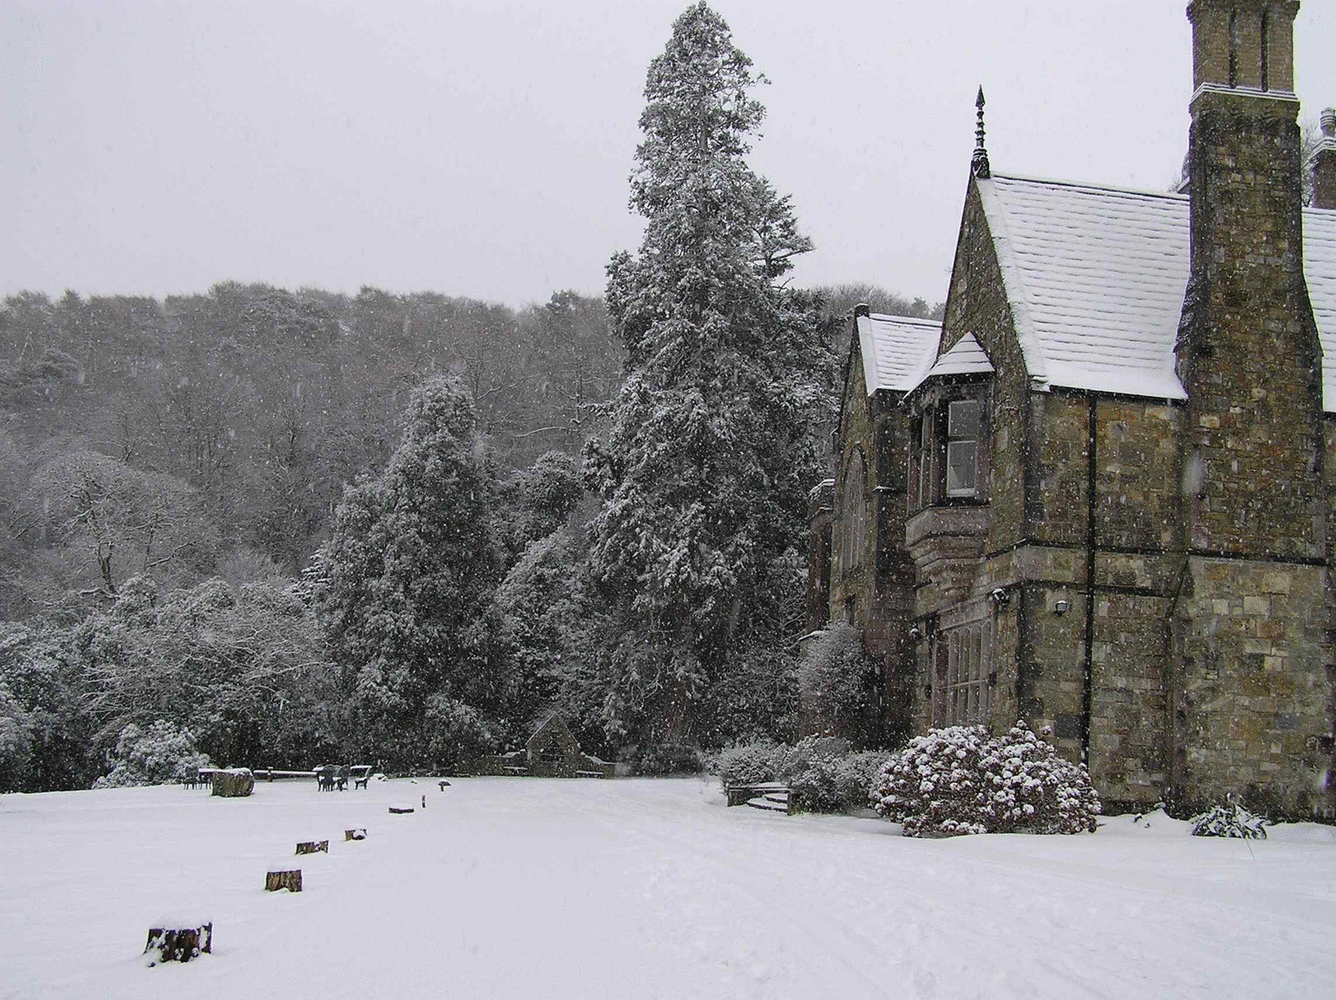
(1251, 694)
(876, 593)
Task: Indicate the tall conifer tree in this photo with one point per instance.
(410, 570)
(705, 469)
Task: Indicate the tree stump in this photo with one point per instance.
(234, 783)
(290, 880)
(178, 944)
(356, 833)
(400, 810)
(312, 846)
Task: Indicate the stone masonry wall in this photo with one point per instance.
(1251, 702)
(1249, 687)
(879, 588)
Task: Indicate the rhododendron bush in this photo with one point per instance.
(962, 780)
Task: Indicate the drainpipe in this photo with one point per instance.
(1087, 668)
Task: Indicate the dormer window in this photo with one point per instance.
(949, 406)
(947, 459)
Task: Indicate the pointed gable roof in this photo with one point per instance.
(896, 350)
(1096, 277)
(966, 357)
(552, 729)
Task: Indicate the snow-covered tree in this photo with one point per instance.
(837, 682)
(242, 668)
(704, 470)
(155, 756)
(409, 575)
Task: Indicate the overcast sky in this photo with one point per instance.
(483, 149)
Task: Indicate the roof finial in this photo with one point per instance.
(979, 162)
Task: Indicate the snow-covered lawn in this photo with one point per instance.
(511, 887)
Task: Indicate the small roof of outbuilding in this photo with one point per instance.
(553, 725)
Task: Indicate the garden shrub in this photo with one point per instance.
(961, 780)
(794, 760)
(1229, 820)
(749, 764)
(855, 774)
(816, 787)
(155, 756)
(668, 758)
(820, 771)
(837, 681)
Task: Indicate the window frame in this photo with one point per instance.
(931, 440)
(854, 514)
(963, 657)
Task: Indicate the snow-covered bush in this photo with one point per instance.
(15, 741)
(749, 764)
(795, 759)
(1229, 820)
(668, 758)
(837, 783)
(961, 780)
(837, 682)
(155, 756)
(855, 774)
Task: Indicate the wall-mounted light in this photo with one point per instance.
(1061, 607)
(1000, 597)
(915, 633)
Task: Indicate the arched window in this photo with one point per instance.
(854, 514)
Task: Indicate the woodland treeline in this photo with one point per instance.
(223, 426)
(267, 528)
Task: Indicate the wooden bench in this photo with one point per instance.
(740, 795)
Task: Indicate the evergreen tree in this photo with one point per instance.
(705, 469)
(409, 574)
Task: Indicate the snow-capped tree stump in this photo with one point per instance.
(178, 944)
(400, 810)
(290, 880)
(233, 783)
(313, 846)
(356, 833)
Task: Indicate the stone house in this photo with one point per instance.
(1096, 496)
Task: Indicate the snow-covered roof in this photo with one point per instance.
(896, 350)
(966, 357)
(1320, 270)
(1096, 276)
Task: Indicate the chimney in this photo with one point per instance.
(1247, 350)
(1322, 164)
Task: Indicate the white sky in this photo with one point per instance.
(483, 149)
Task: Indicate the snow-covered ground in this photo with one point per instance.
(511, 887)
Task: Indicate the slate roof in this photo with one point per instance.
(966, 357)
(896, 350)
(1096, 277)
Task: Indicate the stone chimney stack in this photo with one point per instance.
(1247, 350)
(1323, 163)
(1251, 449)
